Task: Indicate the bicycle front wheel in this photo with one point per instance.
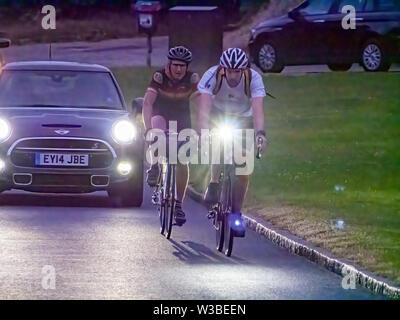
(162, 209)
(228, 241)
(171, 200)
(226, 209)
(219, 224)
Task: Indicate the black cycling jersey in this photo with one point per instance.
(173, 97)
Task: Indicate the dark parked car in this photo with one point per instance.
(65, 127)
(312, 33)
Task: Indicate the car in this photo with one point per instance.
(65, 128)
(312, 33)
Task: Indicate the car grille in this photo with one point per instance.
(61, 180)
(100, 155)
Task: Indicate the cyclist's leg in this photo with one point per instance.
(241, 182)
(182, 178)
(157, 122)
(182, 170)
(211, 195)
(215, 173)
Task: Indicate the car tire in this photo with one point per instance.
(339, 67)
(373, 57)
(267, 57)
(128, 193)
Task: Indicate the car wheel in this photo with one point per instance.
(339, 67)
(373, 57)
(268, 59)
(128, 193)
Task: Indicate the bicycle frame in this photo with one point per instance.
(222, 210)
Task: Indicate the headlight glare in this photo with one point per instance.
(5, 130)
(123, 131)
(2, 165)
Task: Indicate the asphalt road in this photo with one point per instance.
(100, 252)
(125, 52)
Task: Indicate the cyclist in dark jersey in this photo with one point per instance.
(167, 99)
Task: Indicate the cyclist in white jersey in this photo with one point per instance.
(232, 90)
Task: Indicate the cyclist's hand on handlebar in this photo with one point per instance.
(261, 142)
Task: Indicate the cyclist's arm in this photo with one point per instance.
(195, 99)
(257, 101)
(203, 112)
(257, 104)
(205, 87)
(149, 99)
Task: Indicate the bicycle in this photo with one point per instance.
(220, 213)
(164, 195)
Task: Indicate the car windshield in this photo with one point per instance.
(52, 88)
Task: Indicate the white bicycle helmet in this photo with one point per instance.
(180, 53)
(234, 58)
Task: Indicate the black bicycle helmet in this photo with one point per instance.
(180, 53)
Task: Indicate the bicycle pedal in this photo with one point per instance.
(155, 200)
(211, 215)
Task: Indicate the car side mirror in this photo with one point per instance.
(137, 106)
(5, 43)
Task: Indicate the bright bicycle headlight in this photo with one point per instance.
(123, 131)
(226, 131)
(5, 130)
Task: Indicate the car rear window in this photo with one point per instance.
(54, 88)
(316, 7)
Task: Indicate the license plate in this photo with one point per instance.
(61, 159)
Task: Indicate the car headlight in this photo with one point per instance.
(123, 131)
(5, 130)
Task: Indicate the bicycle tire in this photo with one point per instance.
(171, 200)
(228, 232)
(219, 228)
(162, 206)
(221, 215)
(228, 241)
(162, 210)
